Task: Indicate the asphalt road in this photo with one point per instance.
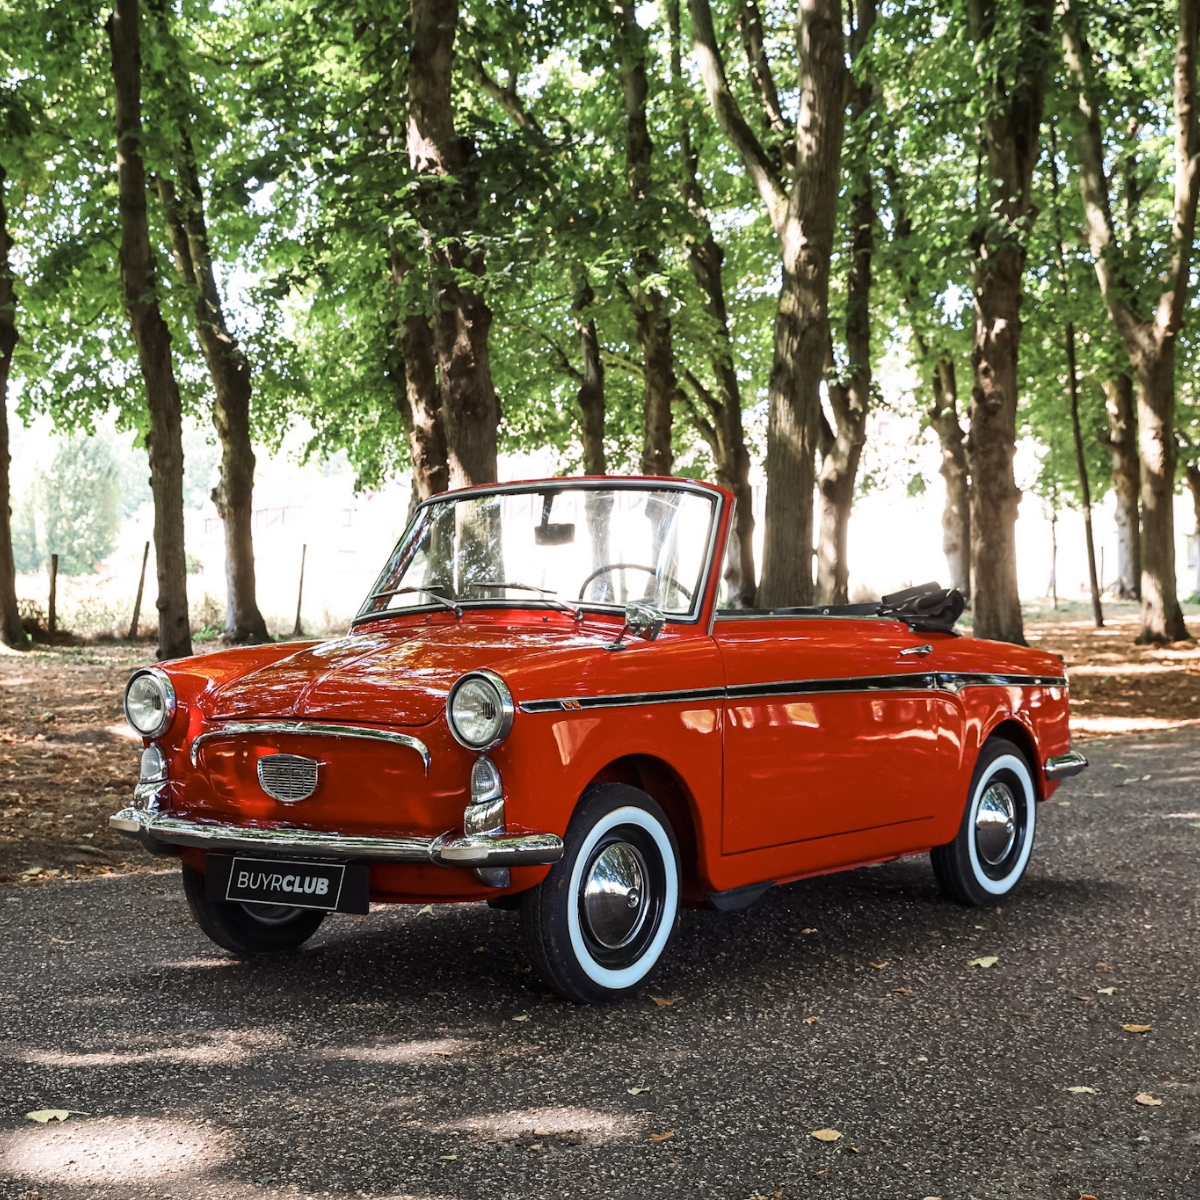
(411, 1054)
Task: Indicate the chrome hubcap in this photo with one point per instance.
(614, 895)
(996, 824)
(272, 914)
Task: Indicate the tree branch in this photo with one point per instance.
(1093, 182)
(1169, 316)
(750, 25)
(729, 115)
(703, 427)
(564, 362)
(508, 99)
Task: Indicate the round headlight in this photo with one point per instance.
(150, 702)
(480, 710)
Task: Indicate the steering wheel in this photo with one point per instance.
(609, 567)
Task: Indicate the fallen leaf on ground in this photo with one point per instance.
(903, 991)
(1105, 991)
(637, 1091)
(448, 1157)
(1145, 777)
(427, 909)
(1103, 967)
(1147, 1099)
(1136, 1028)
(811, 1020)
(662, 1001)
(61, 942)
(42, 1115)
(444, 1053)
(854, 1149)
(880, 966)
(1086, 999)
(662, 1137)
(521, 1017)
(826, 1135)
(1087, 1196)
(1081, 1090)
(808, 931)
(988, 960)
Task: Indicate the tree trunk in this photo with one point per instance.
(723, 428)
(1085, 487)
(803, 213)
(1011, 132)
(11, 631)
(1121, 440)
(461, 319)
(412, 368)
(850, 398)
(1149, 342)
(649, 300)
(1154, 377)
(229, 370)
(591, 384)
(164, 440)
(956, 511)
(802, 335)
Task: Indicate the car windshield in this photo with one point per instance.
(562, 546)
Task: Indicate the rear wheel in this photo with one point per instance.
(991, 850)
(248, 929)
(598, 925)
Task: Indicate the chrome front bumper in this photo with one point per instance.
(478, 850)
(1063, 766)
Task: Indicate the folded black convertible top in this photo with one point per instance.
(926, 608)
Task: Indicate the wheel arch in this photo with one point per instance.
(659, 780)
(1019, 734)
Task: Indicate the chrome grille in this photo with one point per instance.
(288, 777)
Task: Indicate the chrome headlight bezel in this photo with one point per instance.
(504, 703)
(166, 690)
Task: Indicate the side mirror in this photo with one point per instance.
(644, 620)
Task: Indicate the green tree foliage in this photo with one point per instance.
(73, 509)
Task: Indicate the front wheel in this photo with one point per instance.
(248, 929)
(598, 925)
(991, 850)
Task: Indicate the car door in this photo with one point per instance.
(830, 728)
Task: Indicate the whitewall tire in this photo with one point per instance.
(991, 850)
(599, 924)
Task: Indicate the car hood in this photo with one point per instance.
(397, 677)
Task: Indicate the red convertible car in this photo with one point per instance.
(545, 702)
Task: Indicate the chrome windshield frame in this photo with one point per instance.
(409, 539)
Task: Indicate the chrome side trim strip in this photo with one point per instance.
(310, 729)
(481, 850)
(913, 682)
(1063, 766)
(621, 701)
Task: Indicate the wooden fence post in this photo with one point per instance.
(137, 604)
(296, 630)
(52, 619)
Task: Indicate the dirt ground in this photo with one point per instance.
(67, 759)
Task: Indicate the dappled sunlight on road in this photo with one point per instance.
(112, 1150)
(395, 1052)
(225, 1049)
(568, 1122)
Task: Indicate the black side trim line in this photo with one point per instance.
(916, 682)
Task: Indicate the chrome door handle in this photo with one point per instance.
(919, 651)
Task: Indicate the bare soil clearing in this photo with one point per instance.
(68, 761)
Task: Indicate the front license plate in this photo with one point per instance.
(331, 887)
